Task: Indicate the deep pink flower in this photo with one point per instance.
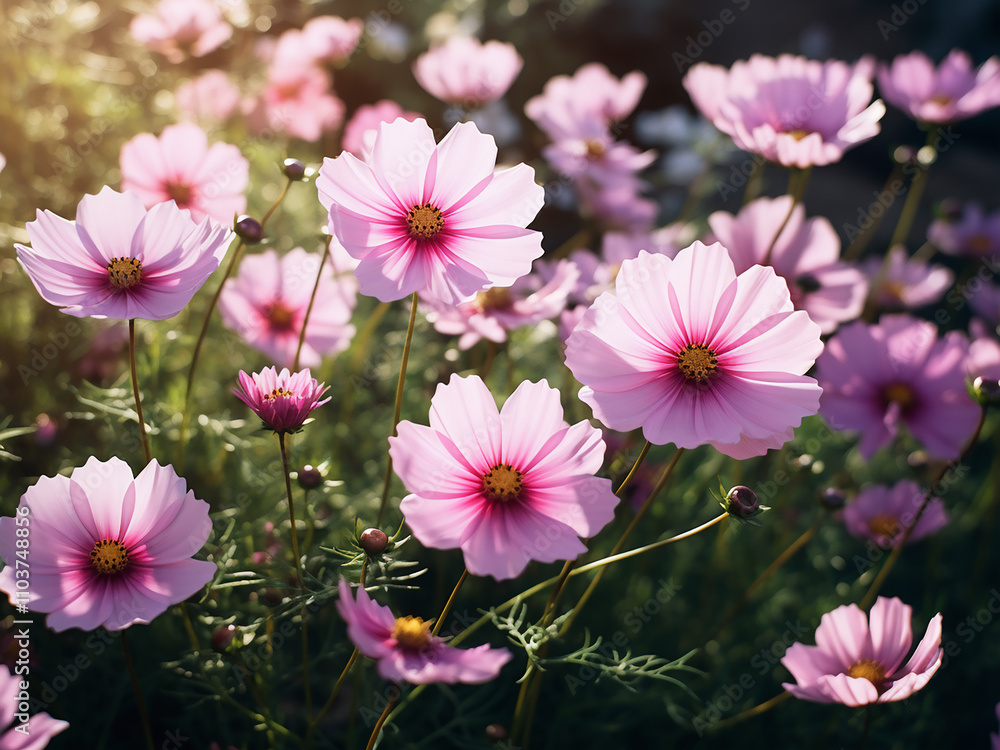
(806, 255)
(790, 110)
(266, 304)
(900, 282)
(507, 487)
(106, 548)
(119, 261)
(855, 663)
(208, 98)
(430, 218)
(974, 234)
(467, 72)
(882, 514)
(361, 129)
(298, 103)
(695, 354)
(405, 649)
(178, 28)
(949, 93)
(33, 734)
(180, 166)
(332, 38)
(878, 377)
(282, 400)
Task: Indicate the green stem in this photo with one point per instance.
(751, 712)
(448, 604)
(333, 696)
(864, 235)
(909, 212)
(291, 509)
(135, 391)
(796, 187)
(309, 307)
(381, 720)
(143, 716)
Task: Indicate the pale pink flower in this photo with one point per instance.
(882, 514)
(806, 255)
(209, 98)
(857, 663)
(119, 261)
(179, 28)
(432, 218)
(267, 300)
(108, 549)
(180, 166)
(899, 282)
(876, 378)
(506, 487)
(695, 354)
(331, 38)
(33, 734)
(984, 299)
(790, 110)
(283, 400)
(467, 72)
(405, 649)
(361, 129)
(614, 201)
(298, 103)
(974, 234)
(951, 92)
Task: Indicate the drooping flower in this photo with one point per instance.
(972, 234)
(209, 98)
(506, 487)
(695, 354)
(467, 72)
(432, 218)
(898, 372)
(900, 282)
(361, 129)
(182, 167)
(405, 649)
(266, 304)
(282, 400)
(178, 28)
(859, 660)
(108, 549)
(951, 92)
(119, 261)
(882, 514)
(790, 110)
(33, 734)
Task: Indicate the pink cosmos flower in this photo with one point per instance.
(361, 129)
(266, 304)
(790, 110)
(298, 103)
(974, 234)
(506, 487)
(986, 301)
(119, 261)
(949, 93)
(108, 548)
(615, 201)
(208, 98)
(878, 377)
(282, 400)
(882, 514)
(332, 38)
(899, 282)
(857, 663)
(38, 729)
(180, 166)
(178, 28)
(405, 649)
(429, 218)
(467, 72)
(695, 354)
(806, 255)
(984, 353)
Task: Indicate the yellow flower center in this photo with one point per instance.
(497, 298)
(798, 134)
(503, 483)
(424, 221)
(278, 393)
(942, 100)
(883, 525)
(870, 670)
(411, 633)
(109, 557)
(901, 394)
(595, 148)
(124, 273)
(697, 362)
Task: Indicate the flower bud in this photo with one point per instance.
(741, 502)
(985, 392)
(496, 732)
(294, 169)
(249, 230)
(832, 499)
(373, 541)
(310, 477)
(222, 637)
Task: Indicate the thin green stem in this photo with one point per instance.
(916, 192)
(864, 235)
(751, 712)
(381, 720)
(135, 391)
(309, 307)
(314, 722)
(291, 508)
(796, 188)
(189, 627)
(143, 716)
(448, 604)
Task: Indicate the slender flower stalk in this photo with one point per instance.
(796, 188)
(390, 704)
(135, 391)
(314, 722)
(143, 716)
(283, 447)
(312, 300)
(909, 212)
(448, 604)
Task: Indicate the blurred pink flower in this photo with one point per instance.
(900, 282)
(361, 129)
(855, 663)
(179, 28)
(182, 167)
(878, 377)
(790, 110)
(806, 255)
(119, 261)
(467, 72)
(282, 400)
(267, 300)
(332, 38)
(985, 300)
(297, 102)
(405, 649)
(949, 93)
(973, 235)
(432, 218)
(108, 549)
(984, 353)
(31, 734)
(694, 354)
(209, 98)
(614, 201)
(881, 514)
(507, 487)
(995, 738)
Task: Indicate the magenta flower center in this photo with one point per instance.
(899, 393)
(280, 317)
(124, 273)
(503, 483)
(179, 192)
(868, 669)
(109, 557)
(697, 362)
(497, 298)
(277, 393)
(424, 221)
(411, 633)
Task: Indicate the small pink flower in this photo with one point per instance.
(282, 400)
(331, 38)
(361, 129)
(984, 353)
(467, 72)
(882, 514)
(949, 93)
(974, 234)
(178, 28)
(31, 734)
(108, 549)
(209, 98)
(405, 649)
(298, 103)
(790, 110)
(507, 487)
(180, 166)
(855, 663)
(878, 377)
(696, 355)
(432, 218)
(900, 282)
(119, 261)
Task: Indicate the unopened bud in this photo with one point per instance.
(294, 169)
(496, 732)
(741, 501)
(373, 541)
(249, 230)
(222, 637)
(310, 477)
(832, 499)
